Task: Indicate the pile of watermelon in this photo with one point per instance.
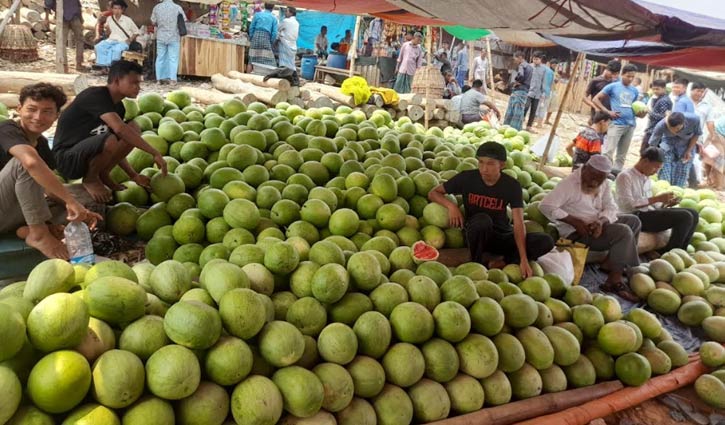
(292, 277)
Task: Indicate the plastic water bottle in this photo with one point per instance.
(79, 244)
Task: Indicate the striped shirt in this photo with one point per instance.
(164, 16)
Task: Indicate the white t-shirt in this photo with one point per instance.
(116, 32)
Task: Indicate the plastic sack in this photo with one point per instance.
(558, 263)
(357, 87)
(540, 146)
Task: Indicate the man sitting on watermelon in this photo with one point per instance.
(487, 193)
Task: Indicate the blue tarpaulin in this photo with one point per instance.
(311, 21)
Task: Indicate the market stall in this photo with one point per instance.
(216, 42)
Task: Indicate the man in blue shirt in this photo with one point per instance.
(676, 135)
(462, 65)
(519, 92)
(262, 32)
(682, 102)
(621, 94)
(546, 93)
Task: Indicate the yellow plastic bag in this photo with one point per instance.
(578, 252)
(358, 88)
(390, 96)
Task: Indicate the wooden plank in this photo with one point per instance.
(14, 81)
(258, 80)
(206, 57)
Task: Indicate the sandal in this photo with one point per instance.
(619, 289)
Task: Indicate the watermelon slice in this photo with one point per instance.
(423, 252)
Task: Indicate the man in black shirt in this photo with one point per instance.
(610, 74)
(92, 137)
(26, 174)
(487, 192)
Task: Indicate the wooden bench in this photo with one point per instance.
(321, 71)
(133, 57)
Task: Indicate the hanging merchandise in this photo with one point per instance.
(213, 10)
(225, 15)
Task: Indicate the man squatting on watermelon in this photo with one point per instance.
(27, 182)
(487, 193)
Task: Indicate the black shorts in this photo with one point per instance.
(72, 163)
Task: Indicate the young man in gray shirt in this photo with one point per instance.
(536, 88)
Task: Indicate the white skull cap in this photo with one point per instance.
(600, 163)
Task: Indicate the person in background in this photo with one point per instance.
(589, 141)
(289, 30)
(487, 193)
(409, 60)
(583, 209)
(121, 30)
(72, 22)
(168, 40)
(262, 31)
(535, 88)
(637, 84)
(516, 109)
(621, 95)
(471, 104)
(553, 99)
(452, 88)
(409, 36)
(681, 101)
(714, 157)
(92, 138)
(462, 66)
(26, 174)
(706, 112)
(368, 47)
(546, 91)
(443, 48)
(345, 42)
(101, 33)
(457, 99)
(610, 73)
(480, 68)
(661, 106)
(321, 43)
(676, 135)
(446, 68)
(634, 196)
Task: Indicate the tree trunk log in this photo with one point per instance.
(332, 92)
(258, 80)
(369, 109)
(13, 81)
(415, 112)
(293, 93)
(230, 85)
(440, 103)
(210, 97)
(319, 100)
(412, 98)
(30, 15)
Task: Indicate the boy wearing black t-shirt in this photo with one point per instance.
(92, 137)
(486, 194)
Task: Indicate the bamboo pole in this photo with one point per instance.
(353, 47)
(9, 16)
(490, 68)
(429, 47)
(530, 408)
(574, 73)
(60, 55)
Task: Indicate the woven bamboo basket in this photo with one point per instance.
(428, 77)
(17, 44)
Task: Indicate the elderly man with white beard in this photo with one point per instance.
(583, 209)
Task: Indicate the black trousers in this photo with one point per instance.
(485, 242)
(531, 105)
(682, 221)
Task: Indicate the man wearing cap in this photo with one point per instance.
(634, 196)
(409, 60)
(487, 193)
(583, 209)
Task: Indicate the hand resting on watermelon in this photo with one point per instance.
(455, 217)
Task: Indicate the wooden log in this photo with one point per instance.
(13, 81)
(444, 104)
(415, 112)
(369, 109)
(400, 114)
(9, 99)
(377, 100)
(318, 100)
(230, 85)
(412, 98)
(439, 114)
(293, 93)
(534, 407)
(258, 80)
(332, 92)
(305, 95)
(402, 105)
(208, 97)
(297, 101)
(30, 15)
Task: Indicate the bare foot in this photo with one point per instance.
(98, 191)
(22, 232)
(48, 245)
(108, 181)
(57, 230)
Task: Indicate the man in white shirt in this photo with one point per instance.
(480, 68)
(583, 210)
(289, 29)
(321, 43)
(634, 196)
(121, 30)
